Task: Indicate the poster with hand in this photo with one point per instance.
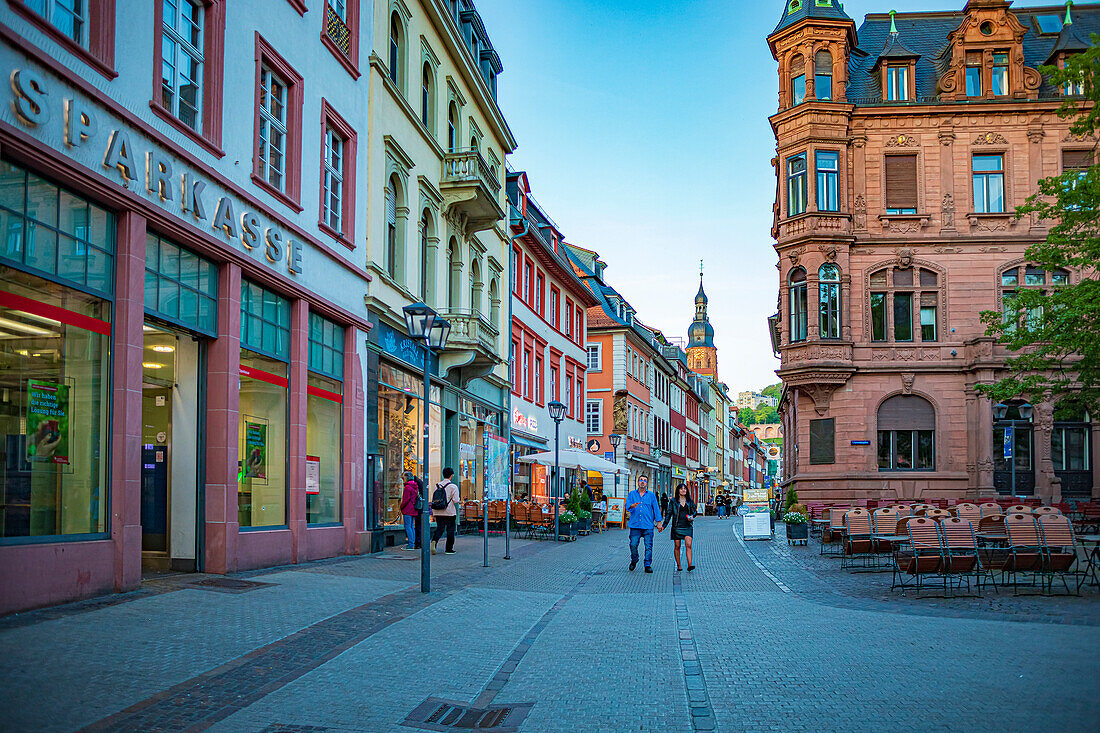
(47, 422)
(255, 450)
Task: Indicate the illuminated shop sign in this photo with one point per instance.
(148, 171)
(524, 421)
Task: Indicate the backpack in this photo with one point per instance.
(439, 496)
(419, 505)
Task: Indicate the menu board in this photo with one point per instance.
(758, 525)
(616, 510)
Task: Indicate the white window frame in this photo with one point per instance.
(54, 8)
(333, 189)
(593, 417)
(594, 350)
(269, 122)
(340, 8)
(182, 47)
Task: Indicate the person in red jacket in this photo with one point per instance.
(408, 509)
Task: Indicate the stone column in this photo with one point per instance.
(981, 431)
(1047, 485)
(353, 494)
(1035, 172)
(859, 183)
(296, 426)
(948, 205)
(813, 300)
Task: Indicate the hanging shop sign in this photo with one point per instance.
(93, 138)
(576, 443)
(594, 446)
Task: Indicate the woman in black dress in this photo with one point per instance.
(680, 516)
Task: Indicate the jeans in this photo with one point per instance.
(448, 524)
(635, 536)
(721, 511)
(412, 528)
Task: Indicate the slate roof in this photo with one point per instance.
(926, 34)
(810, 9)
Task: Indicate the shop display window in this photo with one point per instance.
(180, 287)
(324, 421)
(400, 437)
(261, 472)
(54, 406)
(50, 231)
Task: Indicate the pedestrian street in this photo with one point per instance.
(562, 637)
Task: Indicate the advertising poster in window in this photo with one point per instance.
(496, 467)
(47, 422)
(313, 474)
(255, 450)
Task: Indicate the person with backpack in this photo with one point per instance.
(411, 503)
(445, 499)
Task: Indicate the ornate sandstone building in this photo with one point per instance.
(903, 149)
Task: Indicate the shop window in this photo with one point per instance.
(989, 184)
(55, 347)
(901, 184)
(906, 434)
(796, 184)
(261, 444)
(180, 287)
(339, 143)
(798, 305)
(48, 230)
(827, 163)
(324, 421)
(86, 28)
(401, 437)
(277, 148)
(265, 321)
(829, 301)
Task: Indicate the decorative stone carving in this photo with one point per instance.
(946, 137)
(903, 140)
(619, 413)
(905, 258)
(903, 226)
(795, 255)
(821, 394)
(947, 211)
(981, 224)
(859, 210)
(947, 250)
(906, 354)
(990, 138)
(985, 465)
(881, 355)
(929, 354)
(1072, 138)
(1035, 135)
(907, 379)
(829, 250)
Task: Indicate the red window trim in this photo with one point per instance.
(350, 60)
(557, 326)
(331, 118)
(262, 376)
(529, 266)
(299, 5)
(529, 352)
(569, 309)
(68, 317)
(213, 51)
(517, 357)
(266, 55)
(518, 289)
(540, 288)
(540, 388)
(100, 54)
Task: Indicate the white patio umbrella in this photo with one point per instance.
(575, 458)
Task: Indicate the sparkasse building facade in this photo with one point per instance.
(903, 149)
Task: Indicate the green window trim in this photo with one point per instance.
(180, 286)
(265, 321)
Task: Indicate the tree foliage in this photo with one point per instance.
(1055, 333)
(773, 390)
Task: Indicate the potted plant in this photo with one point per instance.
(585, 520)
(567, 525)
(798, 529)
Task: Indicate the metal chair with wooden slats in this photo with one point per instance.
(969, 512)
(1018, 509)
(925, 555)
(988, 509)
(520, 516)
(1025, 554)
(961, 557)
(937, 513)
(857, 538)
(1041, 510)
(883, 522)
(835, 530)
(1059, 550)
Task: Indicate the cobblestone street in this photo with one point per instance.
(760, 637)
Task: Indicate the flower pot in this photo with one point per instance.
(567, 531)
(798, 532)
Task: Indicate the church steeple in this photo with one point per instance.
(702, 355)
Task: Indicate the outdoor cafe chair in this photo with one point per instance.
(520, 516)
(1041, 510)
(1025, 553)
(1018, 509)
(961, 556)
(969, 512)
(903, 510)
(937, 513)
(857, 537)
(1059, 550)
(834, 532)
(923, 556)
(883, 522)
(988, 509)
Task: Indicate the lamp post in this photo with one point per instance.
(557, 414)
(425, 325)
(1000, 412)
(616, 440)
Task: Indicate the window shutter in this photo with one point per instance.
(1076, 160)
(906, 412)
(822, 441)
(798, 65)
(901, 182)
(391, 205)
(823, 63)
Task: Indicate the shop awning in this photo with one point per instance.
(527, 442)
(575, 458)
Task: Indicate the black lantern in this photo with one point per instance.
(419, 318)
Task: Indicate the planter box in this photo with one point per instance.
(567, 531)
(797, 533)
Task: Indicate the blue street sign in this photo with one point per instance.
(1009, 440)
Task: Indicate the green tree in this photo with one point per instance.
(767, 415)
(747, 416)
(1055, 335)
(773, 390)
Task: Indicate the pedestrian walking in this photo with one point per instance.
(445, 499)
(664, 503)
(681, 519)
(410, 510)
(645, 512)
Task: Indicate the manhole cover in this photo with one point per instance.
(436, 714)
(227, 585)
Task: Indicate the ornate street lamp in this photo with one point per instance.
(557, 414)
(616, 441)
(1000, 412)
(425, 325)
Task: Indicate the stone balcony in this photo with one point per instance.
(814, 224)
(472, 347)
(470, 190)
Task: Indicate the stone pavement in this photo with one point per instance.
(761, 637)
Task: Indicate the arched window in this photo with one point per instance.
(823, 75)
(391, 227)
(799, 305)
(1028, 277)
(899, 299)
(494, 302)
(473, 143)
(906, 434)
(829, 301)
(397, 49)
(427, 106)
(798, 80)
(452, 128)
(425, 232)
(475, 287)
(452, 274)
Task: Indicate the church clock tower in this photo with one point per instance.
(702, 356)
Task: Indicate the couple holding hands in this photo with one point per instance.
(645, 513)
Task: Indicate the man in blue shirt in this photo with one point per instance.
(645, 511)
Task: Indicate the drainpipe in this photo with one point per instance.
(508, 413)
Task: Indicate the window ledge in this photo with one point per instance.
(994, 215)
(346, 62)
(281, 196)
(191, 134)
(923, 218)
(338, 236)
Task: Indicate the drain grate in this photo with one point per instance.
(227, 585)
(446, 715)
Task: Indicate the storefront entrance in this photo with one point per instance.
(169, 455)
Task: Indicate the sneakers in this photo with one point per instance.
(449, 552)
(633, 564)
(649, 570)
(433, 547)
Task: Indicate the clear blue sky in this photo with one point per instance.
(643, 125)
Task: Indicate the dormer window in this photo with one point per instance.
(1049, 25)
(897, 83)
(999, 83)
(974, 74)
